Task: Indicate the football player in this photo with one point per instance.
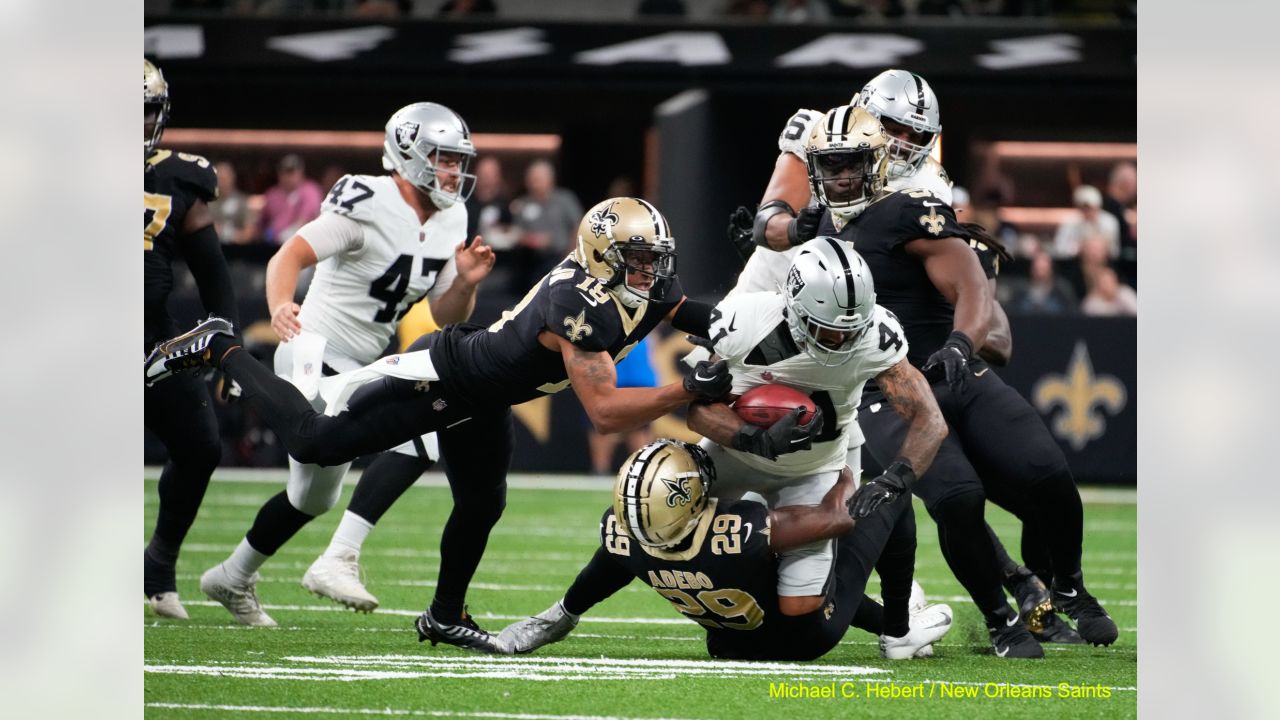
(715, 560)
(570, 328)
(825, 336)
(928, 275)
(177, 223)
(380, 244)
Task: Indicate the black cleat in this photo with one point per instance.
(1010, 638)
(1056, 630)
(466, 634)
(1092, 622)
(1036, 609)
(187, 351)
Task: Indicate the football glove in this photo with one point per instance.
(709, 381)
(804, 226)
(897, 479)
(741, 222)
(785, 436)
(951, 361)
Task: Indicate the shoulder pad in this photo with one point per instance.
(795, 135)
(931, 177)
(912, 214)
(354, 196)
(193, 171)
(588, 318)
(736, 323)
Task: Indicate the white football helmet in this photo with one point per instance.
(830, 299)
(661, 492)
(415, 136)
(628, 235)
(847, 158)
(898, 96)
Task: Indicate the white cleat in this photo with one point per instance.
(241, 600)
(551, 625)
(338, 578)
(927, 626)
(916, 604)
(167, 605)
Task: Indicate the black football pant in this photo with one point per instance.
(180, 412)
(997, 448)
(475, 445)
(884, 541)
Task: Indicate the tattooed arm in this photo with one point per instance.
(613, 409)
(910, 396)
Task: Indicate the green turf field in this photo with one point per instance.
(636, 658)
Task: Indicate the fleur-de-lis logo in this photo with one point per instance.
(1080, 393)
(933, 222)
(602, 221)
(678, 490)
(578, 327)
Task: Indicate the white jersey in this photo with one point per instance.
(371, 271)
(751, 332)
(766, 270)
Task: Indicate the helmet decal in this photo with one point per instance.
(406, 133)
(795, 282)
(679, 490)
(603, 220)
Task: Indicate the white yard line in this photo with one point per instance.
(383, 712)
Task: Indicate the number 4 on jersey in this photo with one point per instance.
(889, 339)
(392, 286)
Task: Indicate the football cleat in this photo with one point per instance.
(1092, 622)
(916, 603)
(927, 626)
(338, 578)
(551, 625)
(1032, 598)
(466, 634)
(167, 605)
(1056, 630)
(186, 351)
(241, 600)
(1011, 639)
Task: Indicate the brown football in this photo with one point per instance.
(765, 405)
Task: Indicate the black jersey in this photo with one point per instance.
(726, 580)
(506, 365)
(171, 184)
(879, 234)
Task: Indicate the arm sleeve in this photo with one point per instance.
(693, 317)
(600, 579)
(203, 254)
(444, 280)
(331, 233)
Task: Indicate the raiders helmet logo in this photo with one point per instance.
(679, 491)
(795, 283)
(602, 221)
(406, 133)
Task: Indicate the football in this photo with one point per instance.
(765, 405)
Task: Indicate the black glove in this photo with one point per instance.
(804, 226)
(740, 229)
(953, 359)
(899, 478)
(785, 436)
(709, 380)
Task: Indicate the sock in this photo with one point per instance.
(276, 522)
(159, 567)
(446, 611)
(869, 616)
(243, 562)
(350, 535)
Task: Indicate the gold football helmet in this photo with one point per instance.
(626, 243)
(661, 492)
(848, 160)
(155, 106)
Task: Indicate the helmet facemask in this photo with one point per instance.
(846, 180)
(422, 143)
(907, 157)
(626, 243)
(642, 272)
(426, 173)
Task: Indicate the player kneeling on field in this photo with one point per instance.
(716, 562)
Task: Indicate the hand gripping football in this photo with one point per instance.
(765, 405)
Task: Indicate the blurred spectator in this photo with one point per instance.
(621, 186)
(1044, 293)
(1091, 260)
(961, 204)
(462, 8)
(289, 204)
(231, 214)
(547, 220)
(635, 370)
(1122, 194)
(1109, 296)
(489, 207)
(381, 8)
(1090, 220)
(747, 8)
(661, 7)
(800, 11)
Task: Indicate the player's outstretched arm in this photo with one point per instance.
(613, 409)
(203, 253)
(793, 526)
(282, 282)
(472, 263)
